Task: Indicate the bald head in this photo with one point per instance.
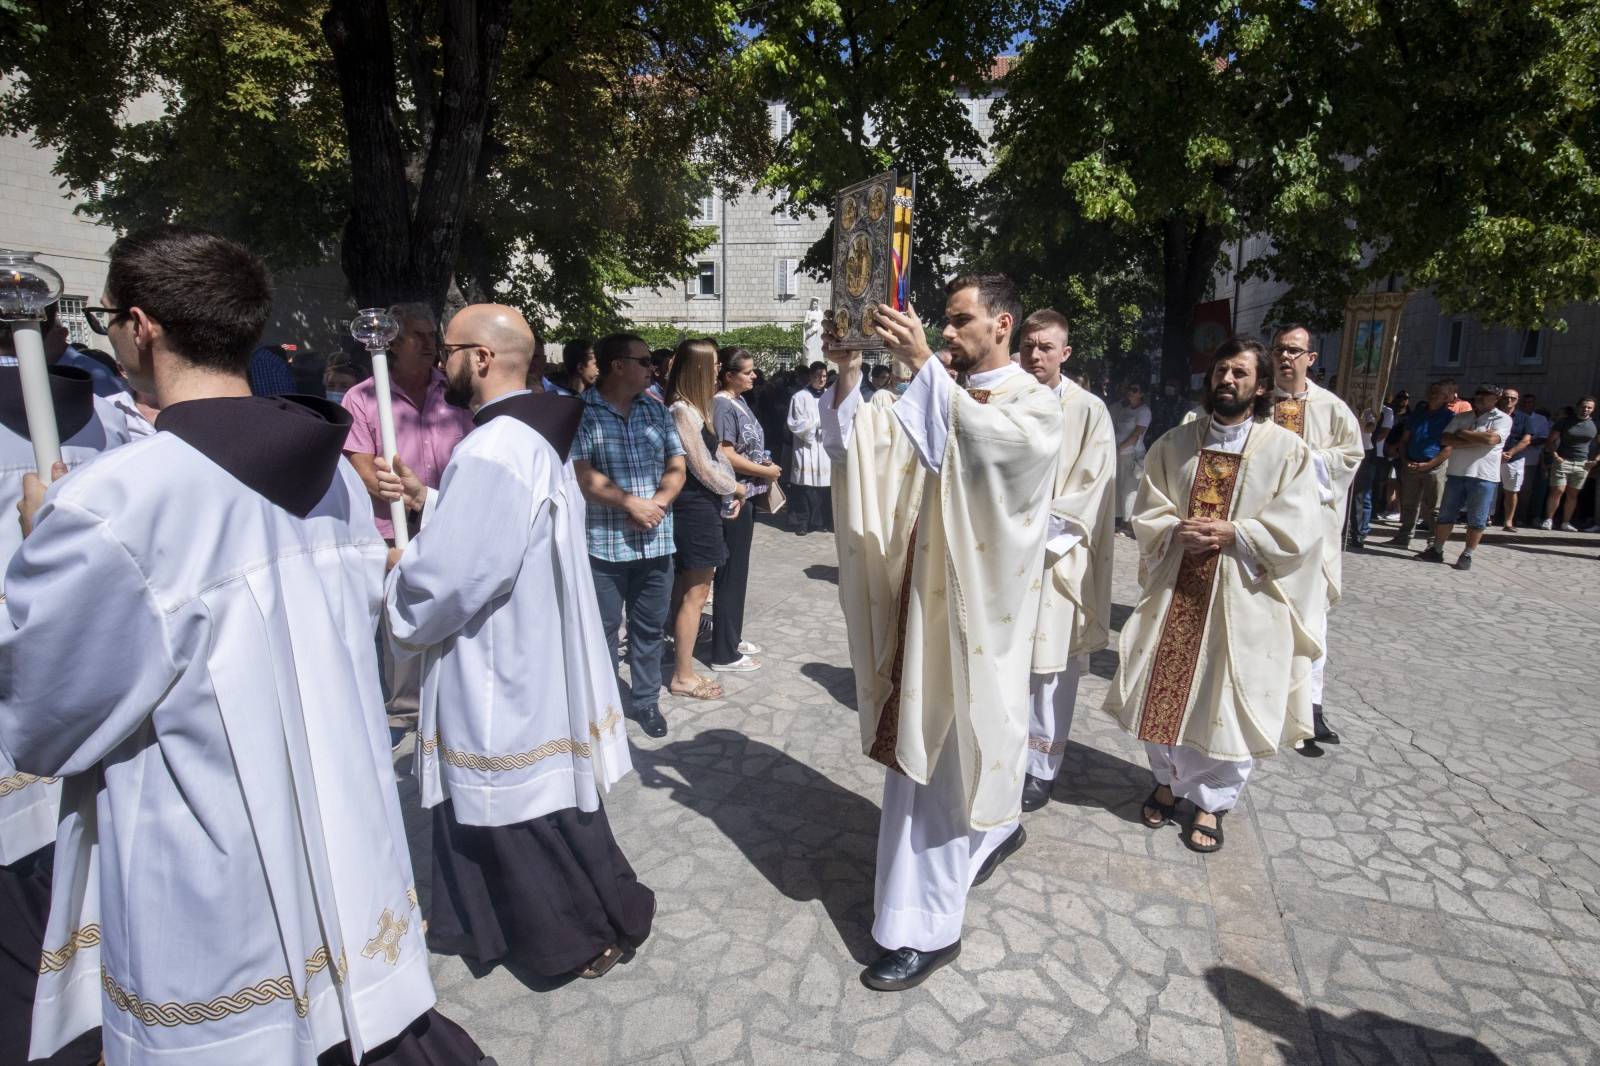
(490, 350)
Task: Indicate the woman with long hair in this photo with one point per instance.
(697, 513)
(745, 447)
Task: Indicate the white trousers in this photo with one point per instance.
(1211, 784)
(927, 857)
(1130, 468)
(1320, 665)
(1051, 699)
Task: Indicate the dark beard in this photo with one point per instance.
(1228, 406)
(458, 391)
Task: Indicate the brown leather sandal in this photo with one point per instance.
(601, 964)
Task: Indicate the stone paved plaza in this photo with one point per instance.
(1427, 893)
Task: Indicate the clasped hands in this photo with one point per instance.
(1202, 536)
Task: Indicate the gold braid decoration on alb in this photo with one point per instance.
(1046, 746)
(171, 1015)
(471, 760)
(18, 782)
(606, 724)
(87, 937)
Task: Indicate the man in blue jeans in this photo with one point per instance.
(1476, 439)
(630, 466)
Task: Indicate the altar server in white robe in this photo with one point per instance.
(29, 805)
(1230, 596)
(188, 644)
(811, 470)
(520, 725)
(943, 508)
(1075, 596)
(1329, 428)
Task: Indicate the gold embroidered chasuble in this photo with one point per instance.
(1216, 647)
(935, 573)
(1329, 428)
(1075, 596)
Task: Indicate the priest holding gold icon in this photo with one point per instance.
(942, 512)
(1219, 650)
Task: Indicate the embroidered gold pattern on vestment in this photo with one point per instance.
(1291, 415)
(18, 782)
(87, 937)
(387, 942)
(981, 395)
(607, 723)
(170, 1015)
(1184, 629)
(471, 760)
(1048, 747)
(411, 896)
(887, 739)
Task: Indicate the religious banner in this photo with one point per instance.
(871, 256)
(1368, 349)
(1209, 325)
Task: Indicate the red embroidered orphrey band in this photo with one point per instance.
(1291, 415)
(1184, 630)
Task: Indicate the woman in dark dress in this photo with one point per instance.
(698, 513)
(744, 445)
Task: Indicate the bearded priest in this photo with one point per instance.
(1228, 623)
(519, 728)
(1075, 598)
(942, 506)
(1329, 428)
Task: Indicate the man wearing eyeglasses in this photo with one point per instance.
(1328, 426)
(1476, 439)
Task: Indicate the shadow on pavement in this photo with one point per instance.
(1093, 778)
(840, 681)
(810, 838)
(1367, 1036)
(823, 572)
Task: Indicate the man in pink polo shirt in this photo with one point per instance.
(426, 428)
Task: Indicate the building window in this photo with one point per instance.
(71, 314)
(1530, 347)
(786, 282)
(707, 210)
(782, 121)
(1450, 343)
(705, 278)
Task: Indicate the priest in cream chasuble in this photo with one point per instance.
(1329, 428)
(942, 505)
(520, 725)
(1220, 645)
(1075, 595)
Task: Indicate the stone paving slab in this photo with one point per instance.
(1429, 892)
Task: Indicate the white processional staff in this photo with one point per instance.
(375, 327)
(26, 289)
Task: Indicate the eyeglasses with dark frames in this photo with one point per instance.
(447, 350)
(101, 318)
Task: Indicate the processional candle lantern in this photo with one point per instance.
(28, 287)
(375, 327)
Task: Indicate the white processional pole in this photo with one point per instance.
(375, 327)
(26, 289)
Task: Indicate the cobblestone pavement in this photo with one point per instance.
(1426, 893)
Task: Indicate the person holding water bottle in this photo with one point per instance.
(745, 447)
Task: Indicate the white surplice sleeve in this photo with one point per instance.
(87, 653)
(924, 412)
(468, 554)
(803, 417)
(837, 424)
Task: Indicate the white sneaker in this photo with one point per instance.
(747, 647)
(1568, 527)
(1545, 524)
(742, 665)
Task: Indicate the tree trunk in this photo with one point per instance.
(1189, 253)
(392, 250)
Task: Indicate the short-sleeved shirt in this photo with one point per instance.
(1519, 429)
(1123, 421)
(1481, 461)
(1577, 439)
(737, 425)
(633, 453)
(423, 437)
(1426, 428)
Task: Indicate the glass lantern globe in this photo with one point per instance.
(27, 287)
(374, 327)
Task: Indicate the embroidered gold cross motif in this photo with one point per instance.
(981, 395)
(387, 942)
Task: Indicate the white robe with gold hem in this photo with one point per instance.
(1334, 437)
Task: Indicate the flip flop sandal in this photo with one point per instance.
(1168, 811)
(707, 689)
(1214, 832)
(601, 964)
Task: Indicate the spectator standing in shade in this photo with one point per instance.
(742, 442)
(809, 475)
(1571, 448)
(1536, 478)
(579, 370)
(269, 372)
(426, 428)
(1475, 440)
(1425, 454)
(698, 513)
(1386, 483)
(1130, 421)
(629, 463)
(1513, 459)
(660, 370)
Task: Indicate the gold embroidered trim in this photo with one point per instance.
(170, 1015)
(87, 937)
(1046, 746)
(319, 961)
(411, 896)
(471, 760)
(18, 782)
(1291, 415)
(606, 724)
(387, 942)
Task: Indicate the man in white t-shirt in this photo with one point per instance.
(1130, 420)
(1476, 439)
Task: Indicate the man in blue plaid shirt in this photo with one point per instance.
(630, 467)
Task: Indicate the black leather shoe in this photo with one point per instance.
(907, 968)
(1310, 750)
(651, 721)
(1035, 792)
(1321, 731)
(1011, 844)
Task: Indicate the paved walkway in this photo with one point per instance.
(1427, 893)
